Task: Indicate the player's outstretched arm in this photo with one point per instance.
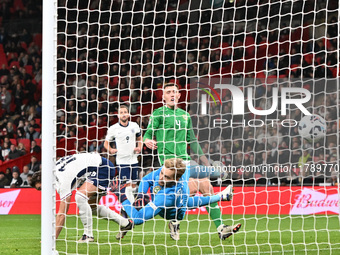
(197, 201)
(147, 212)
(61, 216)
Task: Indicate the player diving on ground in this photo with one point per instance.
(169, 196)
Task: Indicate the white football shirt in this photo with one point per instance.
(69, 171)
(125, 142)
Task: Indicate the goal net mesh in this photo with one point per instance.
(123, 52)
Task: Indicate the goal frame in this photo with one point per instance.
(48, 126)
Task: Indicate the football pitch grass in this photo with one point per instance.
(260, 234)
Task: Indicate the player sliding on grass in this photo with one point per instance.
(172, 128)
(170, 196)
(97, 172)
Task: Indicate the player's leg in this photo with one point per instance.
(214, 210)
(103, 181)
(83, 194)
(174, 225)
(105, 212)
(224, 231)
(86, 196)
(204, 186)
(125, 177)
(127, 174)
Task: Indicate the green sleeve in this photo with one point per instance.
(152, 126)
(192, 140)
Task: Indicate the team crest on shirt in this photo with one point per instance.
(156, 189)
(185, 117)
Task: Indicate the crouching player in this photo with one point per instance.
(170, 197)
(96, 173)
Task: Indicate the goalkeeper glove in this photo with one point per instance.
(141, 201)
(118, 187)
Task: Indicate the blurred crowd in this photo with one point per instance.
(20, 89)
(140, 46)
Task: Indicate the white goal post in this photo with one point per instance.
(49, 126)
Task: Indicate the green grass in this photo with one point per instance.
(20, 234)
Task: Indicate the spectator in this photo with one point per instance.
(18, 94)
(10, 130)
(34, 124)
(21, 133)
(31, 113)
(34, 164)
(94, 147)
(32, 134)
(24, 175)
(21, 148)
(39, 109)
(295, 153)
(8, 174)
(3, 180)
(5, 98)
(14, 153)
(5, 151)
(34, 147)
(29, 178)
(16, 179)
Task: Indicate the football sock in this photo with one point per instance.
(107, 213)
(85, 213)
(215, 214)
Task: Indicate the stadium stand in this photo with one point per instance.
(20, 79)
(143, 65)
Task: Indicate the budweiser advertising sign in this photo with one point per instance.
(7, 200)
(310, 201)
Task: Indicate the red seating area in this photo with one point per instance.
(71, 145)
(20, 64)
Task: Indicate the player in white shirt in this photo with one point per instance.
(71, 171)
(129, 142)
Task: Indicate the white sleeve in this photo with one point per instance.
(137, 128)
(110, 134)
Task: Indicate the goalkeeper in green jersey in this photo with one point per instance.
(172, 128)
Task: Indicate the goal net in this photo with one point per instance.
(248, 73)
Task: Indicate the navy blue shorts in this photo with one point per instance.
(128, 172)
(102, 176)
